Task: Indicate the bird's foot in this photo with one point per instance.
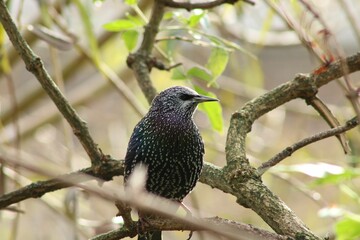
(141, 224)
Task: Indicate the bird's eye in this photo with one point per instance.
(185, 97)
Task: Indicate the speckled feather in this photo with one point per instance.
(169, 144)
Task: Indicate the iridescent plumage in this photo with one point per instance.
(169, 144)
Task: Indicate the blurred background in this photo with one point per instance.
(86, 52)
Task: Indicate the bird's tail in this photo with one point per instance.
(156, 235)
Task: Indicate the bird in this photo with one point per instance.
(167, 142)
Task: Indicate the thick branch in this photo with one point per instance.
(35, 65)
(317, 137)
(211, 175)
(302, 86)
(173, 225)
(106, 172)
(237, 182)
(143, 201)
(242, 178)
(139, 60)
(238, 178)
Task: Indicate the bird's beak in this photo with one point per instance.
(201, 98)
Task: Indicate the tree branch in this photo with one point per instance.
(106, 172)
(201, 5)
(139, 60)
(317, 137)
(242, 178)
(237, 178)
(302, 86)
(173, 225)
(35, 65)
(331, 120)
(236, 183)
(145, 202)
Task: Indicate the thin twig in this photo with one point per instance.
(148, 203)
(125, 213)
(106, 171)
(211, 175)
(169, 224)
(103, 68)
(331, 120)
(315, 138)
(352, 16)
(242, 176)
(139, 60)
(329, 55)
(202, 5)
(35, 65)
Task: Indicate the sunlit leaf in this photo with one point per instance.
(349, 192)
(130, 38)
(195, 19)
(136, 19)
(348, 228)
(217, 62)
(252, 74)
(168, 15)
(200, 73)
(336, 178)
(229, 45)
(212, 109)
(266, 27)
(90, 35)
(131, 2)
(178, 74)
(5, 66)
(170, 48)
(120, 25)
(98, 2)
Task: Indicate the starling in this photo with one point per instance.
(168, 143)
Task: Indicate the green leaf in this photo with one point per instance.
(330, 178)
(136, 19)
(252, 73)
(130, 38)
(178, 74)
(212, 109)
(195, 18)
(5, 66)
(217, 62)
(90, 35)
(226, 44)
(168, 16)
(120, 25)
(197, 72)
(348, 228)
(131, 2)
(349, 192)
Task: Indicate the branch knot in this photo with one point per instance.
(34, 64)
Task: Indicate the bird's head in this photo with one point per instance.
(178, 100)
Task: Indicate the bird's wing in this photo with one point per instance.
(130, 160)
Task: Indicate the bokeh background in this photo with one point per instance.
(32, 130)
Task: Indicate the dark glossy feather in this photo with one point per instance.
(169, 144)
